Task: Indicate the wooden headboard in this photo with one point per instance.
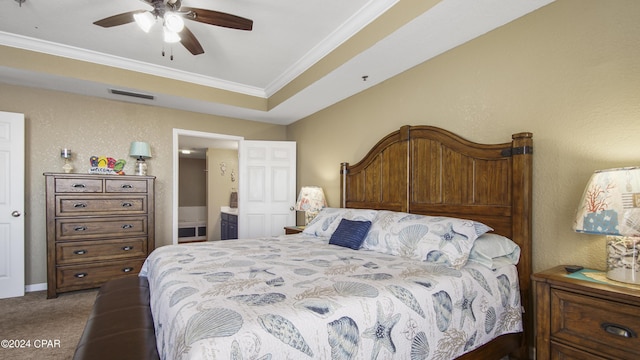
(431, 171)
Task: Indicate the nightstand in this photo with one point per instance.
(582, 319)
(289, 230)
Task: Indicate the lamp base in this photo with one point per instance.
(67, 168)
(141, 167)
(622, 259)
(309, 215)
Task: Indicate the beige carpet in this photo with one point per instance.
(49, 329)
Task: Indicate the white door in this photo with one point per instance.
(11, 204)
(267, 187)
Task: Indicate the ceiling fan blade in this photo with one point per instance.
(190, 42)
(116, 20)
(218, 18)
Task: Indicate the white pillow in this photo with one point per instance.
(494, 251)
(444, 240)
(328, 219)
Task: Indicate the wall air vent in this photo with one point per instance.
(132, 94)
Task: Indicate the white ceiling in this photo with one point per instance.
(288, 37)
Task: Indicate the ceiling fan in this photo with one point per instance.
(172, 14)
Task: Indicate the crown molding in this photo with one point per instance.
(71, 52)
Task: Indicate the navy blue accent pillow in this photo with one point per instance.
(350, 233)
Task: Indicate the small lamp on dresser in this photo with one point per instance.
(310, 200)
(611, 206)
(140, 150)
(66, 155)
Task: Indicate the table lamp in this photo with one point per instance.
(66, 155)
(140, 150)
(310, 200)
(611, 206)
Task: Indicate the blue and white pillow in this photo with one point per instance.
(444, 240)
(328, 220)
(494, 251)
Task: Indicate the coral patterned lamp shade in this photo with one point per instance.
(310, 200)
(611, 206)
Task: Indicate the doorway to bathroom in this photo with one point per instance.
(205, 172)
(221, 166)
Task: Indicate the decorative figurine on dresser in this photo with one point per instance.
(99, 227)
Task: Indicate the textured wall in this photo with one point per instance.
(221, 184)
(91, 126)
(192, 182)
(569, 73)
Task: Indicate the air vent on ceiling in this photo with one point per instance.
(132, 94)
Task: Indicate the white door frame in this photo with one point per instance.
(176, 161)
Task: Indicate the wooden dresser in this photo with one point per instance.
(99, 227)
(586, 320)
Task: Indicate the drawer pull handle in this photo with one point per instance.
(80, 275)
(80, 252)
(127, 269)
(618, 330)
(80, 228)
(78, 186)
(127, 204)
(126, 186)
(79, 205)
(127, 248)
(127, 226)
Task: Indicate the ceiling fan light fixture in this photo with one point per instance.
(173, 22)
(145, 20)
(170, 36)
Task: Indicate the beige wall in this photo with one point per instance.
(220, 186)
(569, 73)
(91, 126)
(192, 182)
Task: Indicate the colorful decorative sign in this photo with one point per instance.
(106, 165)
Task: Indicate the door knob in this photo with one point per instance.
(291, 208)
(16, 213)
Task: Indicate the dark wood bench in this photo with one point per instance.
(120, 325)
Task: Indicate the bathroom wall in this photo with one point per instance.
(192, 180)
(222, 180)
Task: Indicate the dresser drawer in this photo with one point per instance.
(561, 352)
(93, 275)
(126, 186)
(86, 251)
(604, 326)
(69, 205)
(91, 228)
(78, 185)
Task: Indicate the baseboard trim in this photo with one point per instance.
(35, 287)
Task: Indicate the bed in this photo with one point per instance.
(428, 170)
(392, 273)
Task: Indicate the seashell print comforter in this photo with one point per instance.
(297, 297)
